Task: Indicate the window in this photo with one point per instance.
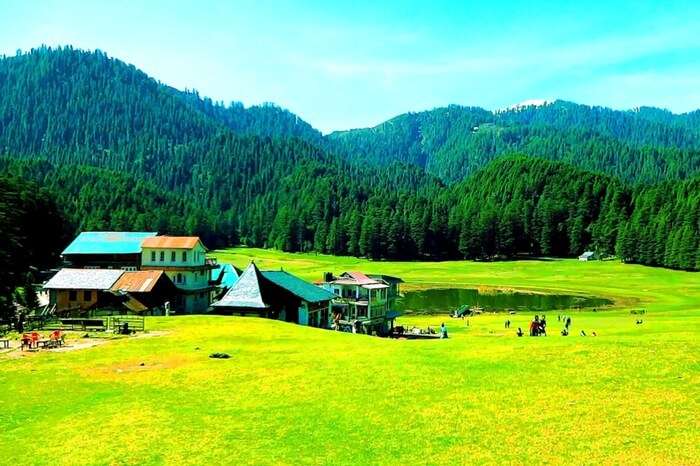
(87, 295)
(72, 295)
(184, 256)
(172, 256)
(361, 311)
(178, 278)
(162, 256)
(153, 256)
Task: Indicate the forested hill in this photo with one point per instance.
(118, 150)
(646, 145)
(53, 99)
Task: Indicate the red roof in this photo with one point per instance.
(361, 278)
(171, 242)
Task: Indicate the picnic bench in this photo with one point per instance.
(5, 343)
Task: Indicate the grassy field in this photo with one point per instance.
(292, 395)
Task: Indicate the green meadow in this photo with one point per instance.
(297, 395)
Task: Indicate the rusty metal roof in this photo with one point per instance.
(171, 242)
(141, 281)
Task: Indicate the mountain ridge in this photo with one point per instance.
(120, 150)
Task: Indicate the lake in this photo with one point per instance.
(446, 300)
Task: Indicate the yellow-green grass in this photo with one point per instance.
(292, 394)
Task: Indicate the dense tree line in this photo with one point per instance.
(120, 151)
(32, 232)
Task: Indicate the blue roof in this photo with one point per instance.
(298, 287)
(108, 242)
(226, 273)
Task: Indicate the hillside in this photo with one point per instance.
(647, 145)
(120, 150)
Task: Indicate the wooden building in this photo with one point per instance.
(363, 303)
(277, 295)
(145, 291)
(82, 289)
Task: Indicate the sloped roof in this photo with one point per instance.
(108, 242)
(141, 281)
(246, 292)
(171, 242)
(225, 275)
(84, 279)
(360, 278)
(298, 287)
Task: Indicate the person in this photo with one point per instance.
(443, 330)
(594, 334)
(568, 322)
(564, 332)
(535, 326)
(583, 334)
(558, 317)
(336, 321)
(543, 325)
(507, 323)
(520, 332)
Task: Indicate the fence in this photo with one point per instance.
(97, 324)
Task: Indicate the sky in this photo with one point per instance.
(342, 65)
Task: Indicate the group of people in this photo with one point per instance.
(538, 326)
(31, 340)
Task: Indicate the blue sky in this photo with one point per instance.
(342, 65)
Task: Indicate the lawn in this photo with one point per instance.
(292, 395)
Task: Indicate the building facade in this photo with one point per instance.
(81, 290)
(184, 261)
(362, 304)
(276, 295)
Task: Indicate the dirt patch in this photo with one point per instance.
(73, 344)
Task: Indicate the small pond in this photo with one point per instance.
(446, 300)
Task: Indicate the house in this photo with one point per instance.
(588, 256)
(82, 289)
(145, 291)
(276, 295)
(106, 250)
(184, 261)
(363, 303)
